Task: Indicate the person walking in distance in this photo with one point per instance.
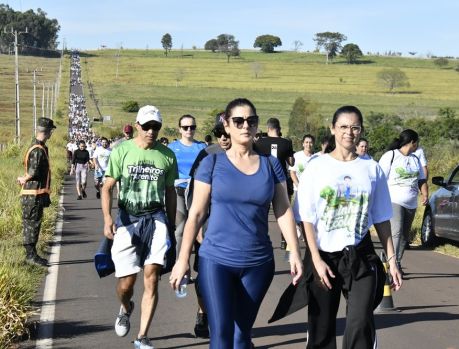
(145, 221)
(236, 262)
(280, 148)
(100, 157)
(36, 189)
(80, 166)
(186, 149)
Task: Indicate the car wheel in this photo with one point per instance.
(427, 230)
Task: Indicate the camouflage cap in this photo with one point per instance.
(44, 124)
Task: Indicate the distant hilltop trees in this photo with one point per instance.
(39, 33)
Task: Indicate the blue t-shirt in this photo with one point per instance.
(237, 233)
(185, 154)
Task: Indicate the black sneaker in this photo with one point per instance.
(84, 194)
(35, 259)
(79, 197)
(201, 329)
(98, 195)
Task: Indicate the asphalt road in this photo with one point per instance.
(86, 306)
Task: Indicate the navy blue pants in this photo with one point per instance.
(233, 297)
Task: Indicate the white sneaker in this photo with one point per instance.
(122, 324)
(143, 343)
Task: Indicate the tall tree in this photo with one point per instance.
(211, 45)
(228, 45)
(393, 78)
(267, 42)
(166, 41)
(351, 52)
(303, 119)
(330, 42)
(42, 32)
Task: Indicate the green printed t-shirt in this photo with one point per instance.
(143, 174)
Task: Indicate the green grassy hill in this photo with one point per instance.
(47, 70)
(209, 82)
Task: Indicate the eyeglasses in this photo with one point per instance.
(186, 128)
(151, 126)
(238, 121)
(219, 134)
(352, 128)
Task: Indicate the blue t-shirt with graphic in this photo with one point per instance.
(237, 233)
(185, 154)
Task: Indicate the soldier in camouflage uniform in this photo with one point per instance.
(35, 189)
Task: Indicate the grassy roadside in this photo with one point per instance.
(19, 281)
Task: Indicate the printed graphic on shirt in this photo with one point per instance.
(145, 171)
(407, 177)
(346, 204)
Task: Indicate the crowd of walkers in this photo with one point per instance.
(214, 198)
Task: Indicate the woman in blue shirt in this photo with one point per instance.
(236, 264)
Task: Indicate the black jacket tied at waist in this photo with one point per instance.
(352, 263)
(143, 232)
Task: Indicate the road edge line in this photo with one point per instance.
(45, 327)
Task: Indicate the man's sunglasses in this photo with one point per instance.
(151, 126)
(238, 121)
(186, 128)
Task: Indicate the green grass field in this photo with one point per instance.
(209, 82)
(47, 70)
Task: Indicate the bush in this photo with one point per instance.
(131, 106)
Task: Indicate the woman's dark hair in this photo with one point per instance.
(184, 117)
(81, 142)
(405, 137)
(309, 136)
(362, 140)
(238, 102)
(346, 109)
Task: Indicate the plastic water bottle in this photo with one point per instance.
(181, 292)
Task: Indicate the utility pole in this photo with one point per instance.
(34, 102)
(52, 102)
(16, 63)
(47, 99)
(43, 101)
(118, 59)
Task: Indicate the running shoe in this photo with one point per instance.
(79, 197)
(122, 324)
(84, 194)
(201, 329)
(143, 343)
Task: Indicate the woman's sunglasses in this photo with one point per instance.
(219, 134)
(238, 121)
(186, 128)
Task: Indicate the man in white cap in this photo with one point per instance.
(143, 230)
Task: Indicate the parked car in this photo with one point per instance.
(441, 215)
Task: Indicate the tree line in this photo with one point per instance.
(38, 32)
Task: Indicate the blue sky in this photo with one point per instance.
(422, 26)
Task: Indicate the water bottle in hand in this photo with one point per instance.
(181, 291)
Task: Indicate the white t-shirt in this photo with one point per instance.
(301, 161)
(421, 156)
(343, 199)
(402, 177)
(102, 155)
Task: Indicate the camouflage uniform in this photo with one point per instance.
(35, 190)
(32, 205)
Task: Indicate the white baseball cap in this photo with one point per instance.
(148, 113)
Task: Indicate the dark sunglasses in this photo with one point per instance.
(186, 128)
(151, 126)
(219, 134)
(238, 121)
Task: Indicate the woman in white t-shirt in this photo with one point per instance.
(343, 197)
(405, 174)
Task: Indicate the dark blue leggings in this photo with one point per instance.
(232, 296)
